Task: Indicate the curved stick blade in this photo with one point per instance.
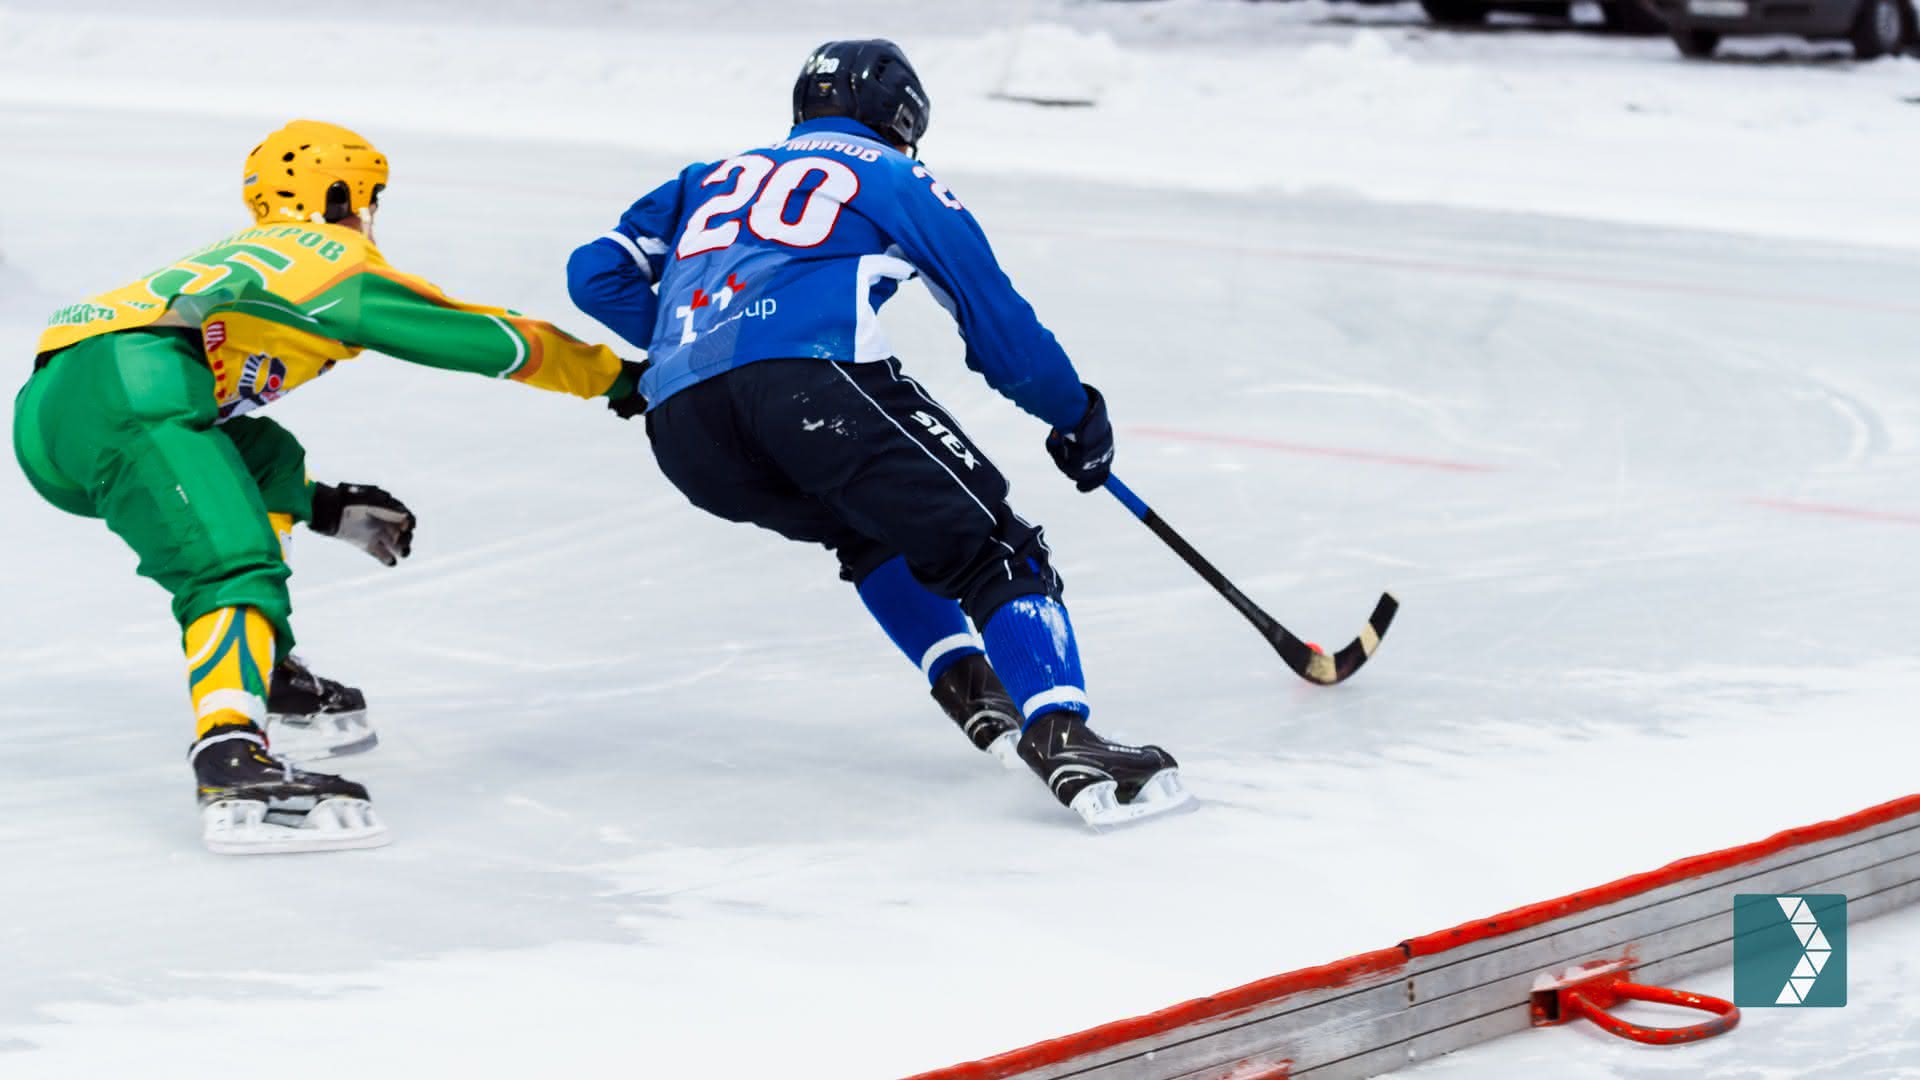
(1318, 667)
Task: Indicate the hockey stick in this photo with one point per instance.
(1308, 662)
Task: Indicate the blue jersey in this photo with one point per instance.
(789, 251)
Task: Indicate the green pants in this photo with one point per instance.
(121, 427)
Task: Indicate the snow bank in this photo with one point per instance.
(1046, 63)
(1295, 97)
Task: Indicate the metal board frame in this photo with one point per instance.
(1375, 1012)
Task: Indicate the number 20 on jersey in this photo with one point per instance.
(768, 187)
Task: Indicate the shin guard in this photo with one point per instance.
(1031, 645)
(229, 661)
(929, 629)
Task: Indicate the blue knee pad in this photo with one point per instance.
(1030, 644)
(931, 630)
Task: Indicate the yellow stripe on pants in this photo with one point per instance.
(229, 662)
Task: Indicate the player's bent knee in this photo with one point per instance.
(1027, 572)
(260, 585)
(858, 561)
(984, 571)
(992, 596)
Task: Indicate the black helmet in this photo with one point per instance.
(869, 81)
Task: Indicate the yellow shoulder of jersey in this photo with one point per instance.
(264, 265)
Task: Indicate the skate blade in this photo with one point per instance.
(301, 739)
(241, 827)
(1006, 749)
(1163, 793)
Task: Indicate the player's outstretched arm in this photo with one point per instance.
(1006, 342)
(605, 282)
(411, 318)
(611, 277)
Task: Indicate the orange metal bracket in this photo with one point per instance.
(1593, 988)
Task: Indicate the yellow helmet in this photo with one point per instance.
(313, 171)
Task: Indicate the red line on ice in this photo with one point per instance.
(1832, 510)
(1406, 460)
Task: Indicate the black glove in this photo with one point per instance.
(1085, 454)
(625, 400)
(366, 517)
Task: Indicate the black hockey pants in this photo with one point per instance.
(860, 458)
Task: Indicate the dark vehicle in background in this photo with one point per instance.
(1624, 16)
(1875, 27)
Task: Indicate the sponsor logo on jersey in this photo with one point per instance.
(263, 377)
(947, 438)
(76, 314)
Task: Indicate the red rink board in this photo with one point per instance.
(1383, 965)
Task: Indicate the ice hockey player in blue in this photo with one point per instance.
(772, 397)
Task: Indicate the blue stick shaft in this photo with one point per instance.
(1127, 498)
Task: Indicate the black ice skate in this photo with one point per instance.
(973, 696)
(252, 803)
(310, 717)
(1105, 783)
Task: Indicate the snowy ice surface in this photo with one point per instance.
(666, 803)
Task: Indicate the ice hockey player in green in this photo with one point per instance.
(135, 414)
